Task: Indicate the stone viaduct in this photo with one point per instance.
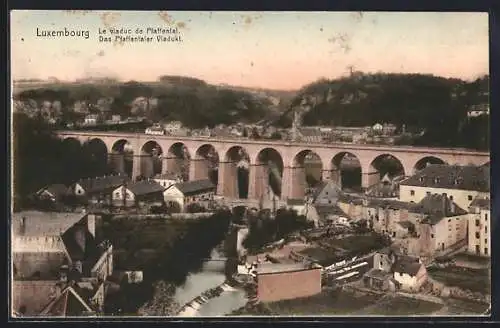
(256, 152)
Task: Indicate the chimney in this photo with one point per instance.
(445, 203)
(22, 228)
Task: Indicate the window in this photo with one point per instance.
(477, 223)
(485, 229)
(469, 197)
(485, 240)
(432, 235)
(428, 193)
(486, 217)
(477, 235)
(449, 220)
(117, 194)
(412, 192)
(400, 274)
(478, 249)
(451, 197)
(381, 264)
(486, 251)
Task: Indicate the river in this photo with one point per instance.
(211, 275)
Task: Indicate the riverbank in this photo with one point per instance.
(165, 250)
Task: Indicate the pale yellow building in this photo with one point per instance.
(479, 241)
(461, 183)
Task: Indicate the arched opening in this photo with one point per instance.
(95, 152)
(345, 170)
(234, 173)
(384, 166)
(268, 175)
(426, 161)
(122, 157)
(205, 164)
(151, 159)
(178, 160)
(306, 173)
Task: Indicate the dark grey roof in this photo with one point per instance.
(100, 184)
(196, 186)
(350, 199)
(407, 264)
(383, 190)
(145, 187)
(437, 207)
(57, 190)
(330, 210)
(452, 177)
(481, 203)
(392, 203)
(378, 274)
(406, 224)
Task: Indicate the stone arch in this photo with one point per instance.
(178, 160)
(345, 170)
(205, 164)
(424, 161)
(151, 159)
(266, 174)
(96, 152)
(72, 140)
(234, 173)
(121, 157)
(305, 172)
(380, 166)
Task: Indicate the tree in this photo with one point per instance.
(163, 303)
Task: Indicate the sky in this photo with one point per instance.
(275, 50)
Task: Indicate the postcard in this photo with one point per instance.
(225, 164)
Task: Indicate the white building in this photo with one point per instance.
(190, 192)
(92, 119)
(409, 272)
(138, 193)
(479, 242)
(155, 130)
(461, 183)
(167, 179)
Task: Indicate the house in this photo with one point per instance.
(172, 127)
(444, 225)
(310, 134)
(332, 215)
(92, 119)
(326, 193)
(167, 179)
(277, 282)
(387, 187)
(478, 110)
(138, 194)
(51, 251)
(352, 206)
(190, 192)
(155, 130)
(409, 272)
(393, 270)
(479, 224)
(54, 193)
(461, 183)
(98, 189)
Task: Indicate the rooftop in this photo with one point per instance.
(145, 187)
(195, 186)
(270, 268)
(481, 202)
(56, 189)
(408, 265)
(99, 184)
(43, 223)
(437, 207)
(469, 177)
